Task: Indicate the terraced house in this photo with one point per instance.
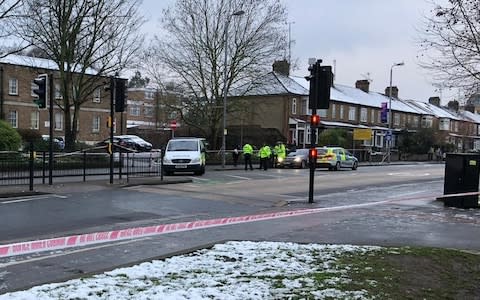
(279, 101)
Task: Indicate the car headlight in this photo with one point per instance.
(298, 159)
(167, 161)
(195, 160)
(280, 159)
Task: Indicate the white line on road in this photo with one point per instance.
(239, 177)
(33, 198)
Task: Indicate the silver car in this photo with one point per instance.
(295, 159)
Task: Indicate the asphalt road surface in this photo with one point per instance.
(387, 205)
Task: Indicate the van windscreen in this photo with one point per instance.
(182, 146)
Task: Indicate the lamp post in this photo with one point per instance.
(225, 76)
(389, 142)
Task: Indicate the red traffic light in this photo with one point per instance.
(314, 120)
(312, 153)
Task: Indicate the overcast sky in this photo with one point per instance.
(364, 38)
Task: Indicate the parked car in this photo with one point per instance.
(335, 158)
(295, 159)
(129, 141)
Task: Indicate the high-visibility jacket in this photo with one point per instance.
(247, 149)
(265, 152)
(280, 150)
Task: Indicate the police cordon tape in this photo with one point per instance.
(87, 239)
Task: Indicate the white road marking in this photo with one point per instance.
(239, 177)
(32, 198)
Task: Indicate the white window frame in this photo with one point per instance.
(96, 124)
(372, 116)
(58, 122)
(363, 115)
(334, 111)
(33, 86)
(58, 91)
(97, 94)
(352, 113)
(294, 106)
(13, 86)
(341, 112)
(13, 118)
(148, 111)
(444, 124)
(322, 113)
(149, 94)
(34, 120)
(427, 122)
(134, 110)
(396, 119)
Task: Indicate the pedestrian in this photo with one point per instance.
(235, 155)
(247, 156)
(265, 154)
(430, 153)
(438, 154)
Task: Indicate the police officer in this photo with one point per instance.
(279, 153)
(265, 153)
(247, 156)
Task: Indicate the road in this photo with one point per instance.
(387, 205)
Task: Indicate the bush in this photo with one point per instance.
(10, 140)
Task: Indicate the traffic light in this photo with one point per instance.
(120, 91)
(314, 120)
(320, 79)
(41, 90)
(312, 154)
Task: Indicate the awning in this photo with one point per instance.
(295, 121)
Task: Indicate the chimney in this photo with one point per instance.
(394, 92)
(363, 85)
(434, 101)
(282, 67)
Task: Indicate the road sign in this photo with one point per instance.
(173, 125)
(360, 134)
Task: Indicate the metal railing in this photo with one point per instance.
(20, 168)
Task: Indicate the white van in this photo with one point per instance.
(184, 154)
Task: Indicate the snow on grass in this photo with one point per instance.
(234, 270)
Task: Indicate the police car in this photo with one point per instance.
(335, 158)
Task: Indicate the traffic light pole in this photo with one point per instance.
(313, 145)
(50, 141)
(112, 97)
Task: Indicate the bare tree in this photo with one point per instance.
(9, 11)
(450, 45)
(192, 53)
(87, 39)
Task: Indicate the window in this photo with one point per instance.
(334, 111)
(341, 112)
(33, 87)
(58, 91)
(294, 106)
(148, 111)
(34, 120)
(363, 115)
(96, 124)
(58, 121)
(12, 86)
(415, 122)
(13, 118)
(96, 95)
(351, 113)
(444, 124)
(396, 119)
(149, 94)
(456, 126)
(372, 116)
(134, 110)
(427, 122)
(379, 116)
(322, 113)
(304, 106)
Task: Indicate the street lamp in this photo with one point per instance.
(225, 76)
(390, 110)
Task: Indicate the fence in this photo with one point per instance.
(18, 168)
